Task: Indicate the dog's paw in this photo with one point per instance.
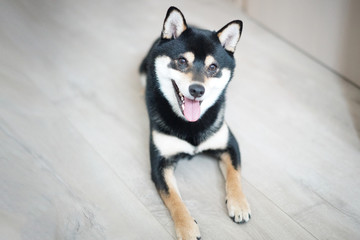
(238, 208)
(187, 229)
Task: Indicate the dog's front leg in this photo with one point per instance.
(162, 171)
(237, 205)
(185, 226)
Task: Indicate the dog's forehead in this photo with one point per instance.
(200, 42)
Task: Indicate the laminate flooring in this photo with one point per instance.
(74, 161)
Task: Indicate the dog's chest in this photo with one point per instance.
(169, 145)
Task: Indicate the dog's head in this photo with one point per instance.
(194, 66)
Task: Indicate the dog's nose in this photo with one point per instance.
(196, 90)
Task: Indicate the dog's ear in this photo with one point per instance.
(174, 24)
(230, 34)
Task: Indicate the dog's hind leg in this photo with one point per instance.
(237, 205)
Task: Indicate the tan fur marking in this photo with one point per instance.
(188, 76)
(190, 57)
(233, 181)
(237, 204)
(183, 28)
(184, 76)
(185, 226)
(209, 60)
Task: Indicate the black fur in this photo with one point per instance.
(162, 118)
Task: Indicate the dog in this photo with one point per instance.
(187, 72)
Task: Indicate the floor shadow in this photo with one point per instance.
(349, 63)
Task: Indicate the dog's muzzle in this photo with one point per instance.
(190, 108)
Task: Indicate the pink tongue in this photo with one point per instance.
(192, 110)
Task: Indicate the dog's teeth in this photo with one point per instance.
(183, 107)
(181, 97)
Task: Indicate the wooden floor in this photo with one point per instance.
(74, 161)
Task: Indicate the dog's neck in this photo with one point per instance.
(165, 120)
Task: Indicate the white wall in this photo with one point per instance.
(328, 30)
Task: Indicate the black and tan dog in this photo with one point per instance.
(187, 72)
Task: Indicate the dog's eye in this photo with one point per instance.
(212, 68)
(182, 62)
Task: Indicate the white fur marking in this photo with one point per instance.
(217, 141)
(164, 75)
(214, 87)
(169, 145)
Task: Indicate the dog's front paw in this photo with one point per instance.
(187, 229)
(238, 208)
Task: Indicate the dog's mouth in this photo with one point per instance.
(190, 108)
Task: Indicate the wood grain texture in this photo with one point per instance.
(54, 185)
(74, 131)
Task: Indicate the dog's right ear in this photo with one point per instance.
(174, 24)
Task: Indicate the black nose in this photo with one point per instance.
(196, 90)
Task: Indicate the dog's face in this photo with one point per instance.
(193, 66)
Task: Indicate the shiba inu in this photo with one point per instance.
(187, 71)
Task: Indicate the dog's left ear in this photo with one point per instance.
(174, 24)
(230, 34)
